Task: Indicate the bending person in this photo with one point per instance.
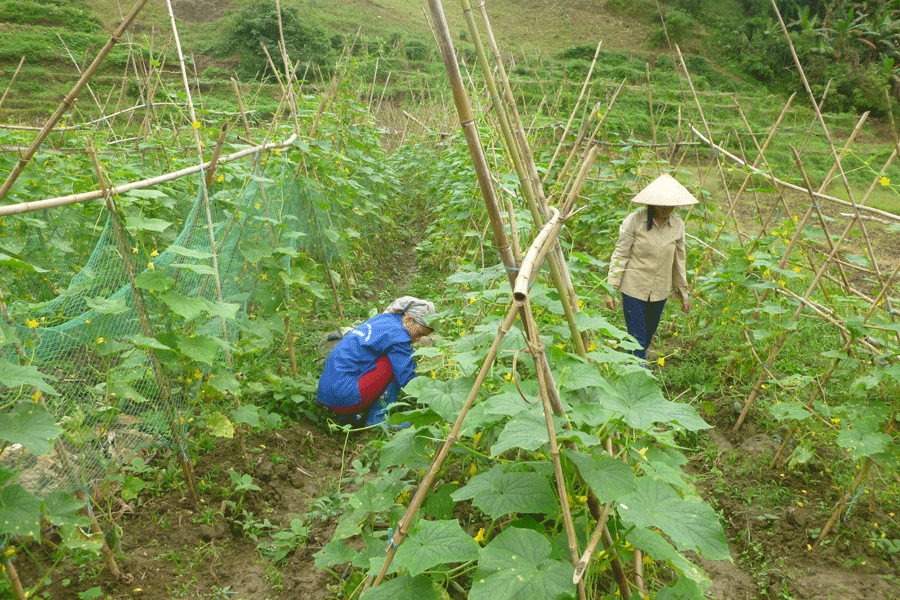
(648, 264)
(367, 368)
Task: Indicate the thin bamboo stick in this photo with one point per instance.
(87, 85)
(105, 550)
(70, 98)
(536, 347)
(11, 81)
(14, 580)
(568, 126)
(842, 502)
(783, 337)
(23, 207)
(443, 451)
(786, 184)
(147, 328)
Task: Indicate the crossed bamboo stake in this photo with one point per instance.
(521, 275)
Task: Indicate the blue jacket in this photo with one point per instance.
(356, 353)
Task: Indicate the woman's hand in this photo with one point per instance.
(610, 302)
(685, 305)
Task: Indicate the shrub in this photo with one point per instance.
(258, 22)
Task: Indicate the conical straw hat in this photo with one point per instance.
(665, 191)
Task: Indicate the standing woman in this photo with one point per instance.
(648, 264)
(367, 368)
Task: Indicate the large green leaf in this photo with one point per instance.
(335, 552)
(433, 543)
(406, 587)
(446, 398)
(609, 478)
(658, 548)
(860, 443)
(139, 223)
(516, 565)
(691, 523)
(32, 426)
(189, 252)
(379, 494)
(183, 305)
(498, 493)
(641, 403)
(13, 375)
(406, 447)
(576, 375)
(154, 280)
(20, 512)
(527, 430)
(202, 348)
(108, 306)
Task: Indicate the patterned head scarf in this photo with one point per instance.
(410, 306)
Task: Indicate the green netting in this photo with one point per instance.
(89, 340)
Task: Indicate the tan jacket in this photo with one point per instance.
(649, 264)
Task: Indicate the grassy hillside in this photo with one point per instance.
(56, 49)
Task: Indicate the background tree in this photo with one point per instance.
(257, 24)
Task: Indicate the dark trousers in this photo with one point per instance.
(642, 318)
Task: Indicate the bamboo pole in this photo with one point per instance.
(105, 550)
(70, 98)
(842, 502)
(754, 392)
(12, 80)
(792, 186)
(568, 126)
(23, 207)
(443, 451)
(518, 150)
(147, 329)
(13, 576)
(536, 347)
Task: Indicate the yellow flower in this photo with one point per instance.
(662, 361)
(99, 340)
(196, 124)
(36, 396)
(836, 421)
(884, 181)
(560, 345)
(480, 536)
(151, 266)
(220, 178)
(264, 276)
(475, 439)
(32, 323)
(459, 322)
(643, 452)
(154, 254)
(592, 347)
(471, 299)
(472, 470)
(796, 269)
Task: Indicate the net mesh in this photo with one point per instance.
(89, 341)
